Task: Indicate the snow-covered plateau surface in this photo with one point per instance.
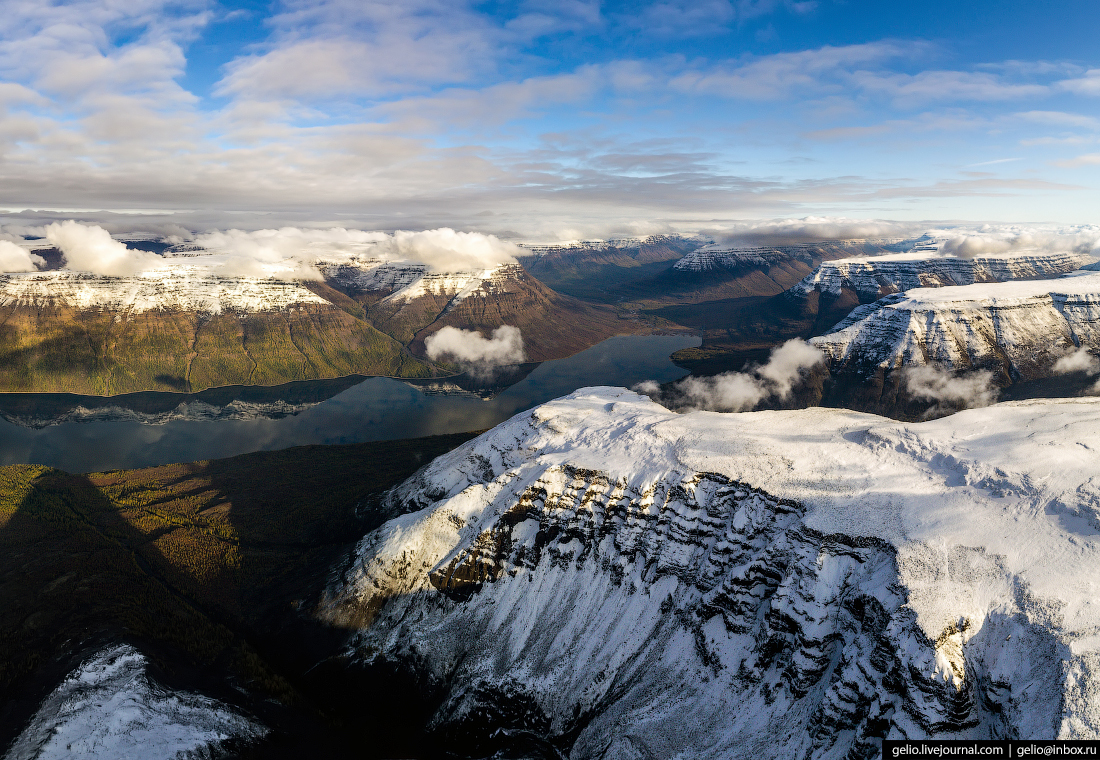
(882, 275)
(641, 583)
(404, 281)
(1026, 325)
(717, 256)
(182, 288)
(109, 709)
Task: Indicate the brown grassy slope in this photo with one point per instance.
(208, 567)
(100, 352)
(553, 325)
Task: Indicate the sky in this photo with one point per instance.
(547, 120)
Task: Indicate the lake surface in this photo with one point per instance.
(81, 434)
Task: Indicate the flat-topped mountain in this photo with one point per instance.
(179, 328)
(612, 580)
(873, 278)
(1019, 329)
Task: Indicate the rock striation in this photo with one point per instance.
(737, 258)
(876, 277)
(619, 581)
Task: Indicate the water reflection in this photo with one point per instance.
(370, 410)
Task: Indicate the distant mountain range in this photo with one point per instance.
(181, 328)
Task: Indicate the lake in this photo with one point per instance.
(92, 434)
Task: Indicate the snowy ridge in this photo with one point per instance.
(108, 708)
(880, 276)
(456, 285)
(541, 249)
(404, 281)
(716, 256)
(708, 259)
(179, 288)
(366, 274)
(748, 585)
(1024, 326)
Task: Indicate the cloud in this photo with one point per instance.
(812, 229)
(741, 391)
(967, 246)
(1089, 84)
(950, 392)
(1089, 159)
(92, 249)
(1081, 360)
(504, 346)
(292, 253)
(445, 250)
(14, 258)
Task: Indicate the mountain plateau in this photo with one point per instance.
(603, 578)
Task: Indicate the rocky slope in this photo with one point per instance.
(1018, 329)
(603, 578)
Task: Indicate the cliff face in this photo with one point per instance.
(874, 278)
(618, 581)
(1019, 328)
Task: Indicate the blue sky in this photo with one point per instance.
(552, 119)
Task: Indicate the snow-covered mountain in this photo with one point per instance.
(406, 281)
(109, 708)
(621, 581)
(1023, 327)
(715, 256)
(582, 247)
(173, 288)
(876, 277)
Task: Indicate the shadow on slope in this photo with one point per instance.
(210, 569)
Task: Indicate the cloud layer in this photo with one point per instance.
(544, 119)
(288, 253)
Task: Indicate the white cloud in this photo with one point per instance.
(291, 252)
(445, 250)
(812, 229)
(992, 240)
(1088, 159)
(1089, 84)
(1081, 360)
(931, 86)
(949, 391)
(92, 249)
(14, 258)
(504, 346)
(741, 391)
